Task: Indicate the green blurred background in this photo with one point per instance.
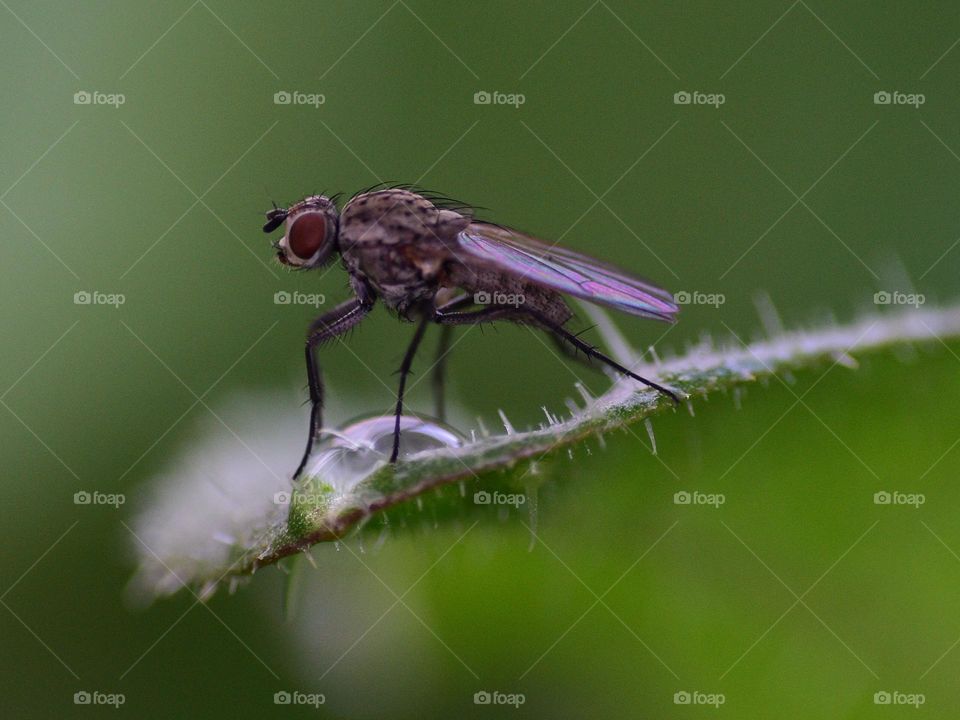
(105, 199)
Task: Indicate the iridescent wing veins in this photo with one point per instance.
(563, 270)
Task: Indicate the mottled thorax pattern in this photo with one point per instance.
(399, 242)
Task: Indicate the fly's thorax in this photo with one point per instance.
(399, 242)
(390, 217)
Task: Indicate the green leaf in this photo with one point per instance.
(435, 480)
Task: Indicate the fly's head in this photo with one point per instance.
(311, 227)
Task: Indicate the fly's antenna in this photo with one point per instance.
(275, 218)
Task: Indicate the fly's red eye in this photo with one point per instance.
(305, 236)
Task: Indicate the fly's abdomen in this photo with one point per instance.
(491, 287)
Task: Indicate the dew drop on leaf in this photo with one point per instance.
(347, 455)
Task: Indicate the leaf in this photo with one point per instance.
(204, 557)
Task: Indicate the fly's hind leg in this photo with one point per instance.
(571, 353)
(537, 319)
(590, 351)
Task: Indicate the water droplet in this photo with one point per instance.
(348, 455)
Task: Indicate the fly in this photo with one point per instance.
(430, 261)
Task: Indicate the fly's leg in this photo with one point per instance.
(326, 327)
(532, 317)
(571, 353)
(443, 348)
(592, 352)
(404, 371)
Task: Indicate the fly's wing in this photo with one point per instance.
(563, 270)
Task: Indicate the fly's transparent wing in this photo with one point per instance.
(563, 270)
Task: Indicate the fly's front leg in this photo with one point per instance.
(326, 327)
